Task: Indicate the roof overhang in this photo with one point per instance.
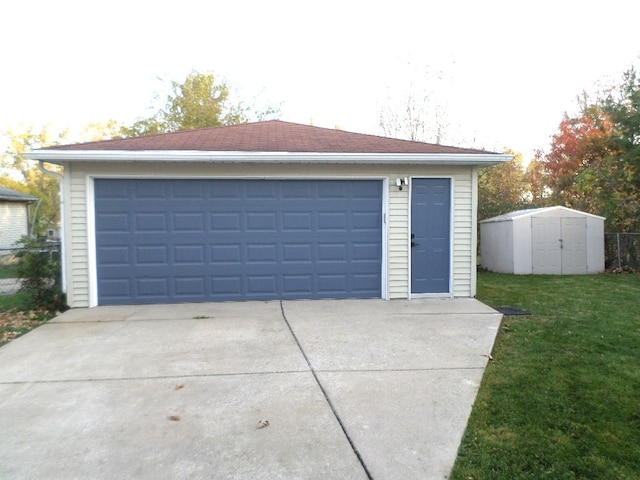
(63, 156)
(18, 200)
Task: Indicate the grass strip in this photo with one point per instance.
(561, 398)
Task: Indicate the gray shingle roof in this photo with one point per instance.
(8, 194)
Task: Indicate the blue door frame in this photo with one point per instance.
(431, 236)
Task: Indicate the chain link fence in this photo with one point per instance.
(9, 257)
(9, 281)
(622, 252)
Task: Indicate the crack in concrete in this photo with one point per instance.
(326, 396)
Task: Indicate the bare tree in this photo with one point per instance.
(417, 115)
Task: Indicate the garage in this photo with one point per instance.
(195, 240)
(265, 210)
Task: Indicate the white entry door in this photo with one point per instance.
(559, 245)
(546, 242)
(574, 246)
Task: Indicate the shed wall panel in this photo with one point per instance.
(595, 245)
(521, 248)
(496, 240)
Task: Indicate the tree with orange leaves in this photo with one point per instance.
(594, 161)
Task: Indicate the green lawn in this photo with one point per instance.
(8, 271)
(561, 398)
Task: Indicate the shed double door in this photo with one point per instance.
(559, 245)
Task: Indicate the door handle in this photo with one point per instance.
(413, 244)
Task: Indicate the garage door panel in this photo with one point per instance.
(332, 252)
(365, 221)
(225, 222)
(150, 190)
(188, 222)
(225, 286)
(186, 189)
(189, 255)
(151, 222)
(116, 289)
(328, 190)
(366, 251)
(259, 285)
(297, 284)
(116, 256)
(226, 254)
(190, 286)
(332, 284)
(113, 190)
(297, 252)
(152, 255)
(297, 190)
(364, 282)
(115, 223)
(261, 222)
(297, 222)
(262, 253)
(201, 240)
(152, 287)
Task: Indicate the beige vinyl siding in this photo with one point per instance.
(78, 174)
(463, 231)
(398, 243)
(13, 223)
(77, 237)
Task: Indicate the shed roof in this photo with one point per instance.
(10, 195)
(530, 212)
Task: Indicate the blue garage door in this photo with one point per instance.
(171, 241)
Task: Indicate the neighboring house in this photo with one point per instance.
(14, 216)
(267, 210)
(551, 240)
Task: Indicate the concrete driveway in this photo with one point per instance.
(350, 389)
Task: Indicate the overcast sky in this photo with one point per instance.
(503, 72)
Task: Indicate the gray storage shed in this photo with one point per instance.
(552, 240)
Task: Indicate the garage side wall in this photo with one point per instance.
(78, 183)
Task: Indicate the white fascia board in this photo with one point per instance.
(61, 156)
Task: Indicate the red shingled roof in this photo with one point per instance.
(268, 136)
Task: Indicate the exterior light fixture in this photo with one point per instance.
(400, 182)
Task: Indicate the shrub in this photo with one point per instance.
(39, 269)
